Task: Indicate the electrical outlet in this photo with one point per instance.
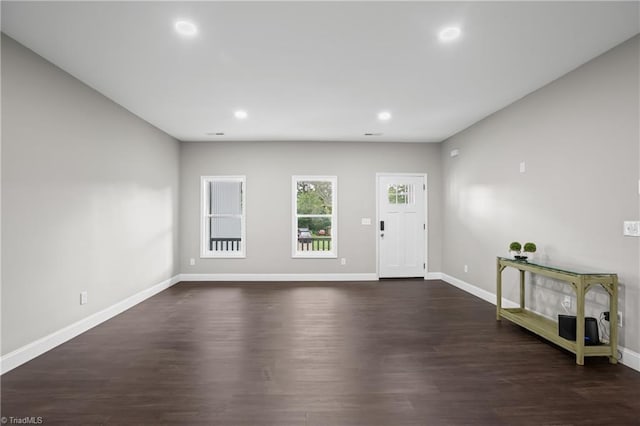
(567, 302)
(83, 297)
(606, 316)
(631, 228)
(466, 268)
(343, 261)
(192, 261)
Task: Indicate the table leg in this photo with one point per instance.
(498, 289)
(580, 323)
(613, 321)
(521, 289)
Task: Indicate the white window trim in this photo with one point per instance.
(331, 254)
(205, 253)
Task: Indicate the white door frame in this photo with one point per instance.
(426, 217)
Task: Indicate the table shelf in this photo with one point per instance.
(548, 329)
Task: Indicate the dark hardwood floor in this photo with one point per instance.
(378, 353)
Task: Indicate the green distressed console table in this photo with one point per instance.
(542, 326)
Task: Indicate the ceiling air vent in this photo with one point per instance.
(373, 134)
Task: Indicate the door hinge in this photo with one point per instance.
(424, 186)
(424, 266)
(424, 226)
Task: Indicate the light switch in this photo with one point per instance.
(365, 221)
(631, 228)
(523, 167)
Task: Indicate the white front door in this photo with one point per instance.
(401, 225)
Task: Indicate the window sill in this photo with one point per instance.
(315, 256)
(223, 256)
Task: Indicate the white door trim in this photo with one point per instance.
(426, 217)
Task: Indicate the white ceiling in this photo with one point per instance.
(318, 70)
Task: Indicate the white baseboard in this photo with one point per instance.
(279, 277)
(293, 277)
(629, 358)
(31, 350)
(477, 291)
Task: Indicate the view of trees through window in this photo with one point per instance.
(314, 216)
(314, 198)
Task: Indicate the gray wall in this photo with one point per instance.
(269, 167)
(579, 139)
(89, 200)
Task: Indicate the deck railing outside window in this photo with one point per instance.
(314, 244)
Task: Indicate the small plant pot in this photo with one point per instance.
(518, 255)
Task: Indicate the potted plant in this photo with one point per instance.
(522, 253)
(529, 249)
(515, 249)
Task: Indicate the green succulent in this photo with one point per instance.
(515, 246)
(530, 248)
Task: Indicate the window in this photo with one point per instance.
(223, 216)
(315, 229)
(400, 194)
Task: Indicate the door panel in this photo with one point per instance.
(391, 225)
(402, 208)
(411, 229)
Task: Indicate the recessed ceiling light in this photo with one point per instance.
(449, 33)
(384, 115)
(241, 114)
(186, 28)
